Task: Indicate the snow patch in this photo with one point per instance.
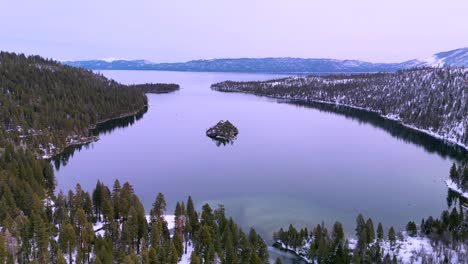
(454, 187)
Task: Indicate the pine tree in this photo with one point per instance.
(41, 237)
(204, 244)
(60, 213)
(103, 250)
(278, 261)
(380, 231)
(153, 259)
(230, 256)
(361, 233)
(338, 233)
(246, 249)
(60, 258)
(159, 207)
(370, 231)
(194, 259)
(116, 198)
(454, 176)
(411, 229)
(156, 233)
(177, 241)
(173, 255)
(192, 216)
(391, 236)
(178, 211)
(67, 240)
(97, 200)
(207, 217)
(3, 251)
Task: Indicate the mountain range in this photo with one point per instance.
(452, 58)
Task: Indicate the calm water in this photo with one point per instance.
(290, 163)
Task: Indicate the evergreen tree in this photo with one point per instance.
(411, 229)
(159, 207)
(204, 244)
(454, 176)
(194, 259)
(178, 211)
(338, 233)
(177, 241)
(97, 200)
(3, 252)
(153, 258)
(173, 255)
(116, 198)
(60, 258)
(192, 216)
(380, 232)
(67, 240)
(391, 236)
(361, 233)
(370, 231)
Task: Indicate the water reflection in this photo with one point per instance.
(397, 130)
(101, 129)
(222, 142)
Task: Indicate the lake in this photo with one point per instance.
(291, 163)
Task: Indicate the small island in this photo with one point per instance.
(156, 88)
(223, 131)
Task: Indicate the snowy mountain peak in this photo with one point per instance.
(457, 57)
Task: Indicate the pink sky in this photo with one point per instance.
(383, 31)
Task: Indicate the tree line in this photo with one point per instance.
(433, 99)
(155, 88)
(108, 225)
(447, 233)
(45, 105)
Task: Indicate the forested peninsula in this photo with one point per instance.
(47, 106)
(433, 100)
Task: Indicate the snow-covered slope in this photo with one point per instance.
(432, 100)
(458, 57)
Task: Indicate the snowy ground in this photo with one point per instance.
(97, 227)
(407, 250)
(186, 257)
(454, 187)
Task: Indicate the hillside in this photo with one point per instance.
(430, 99)
(458, 57)
(46, 105)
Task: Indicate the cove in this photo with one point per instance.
(291, 163)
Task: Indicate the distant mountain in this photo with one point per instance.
(458, 57)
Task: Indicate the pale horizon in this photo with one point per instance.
(180, 31)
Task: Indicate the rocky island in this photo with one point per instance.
(223, 131)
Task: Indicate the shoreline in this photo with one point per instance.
(391, 117)
(280, 246)
(84, 140)
(456, 188)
